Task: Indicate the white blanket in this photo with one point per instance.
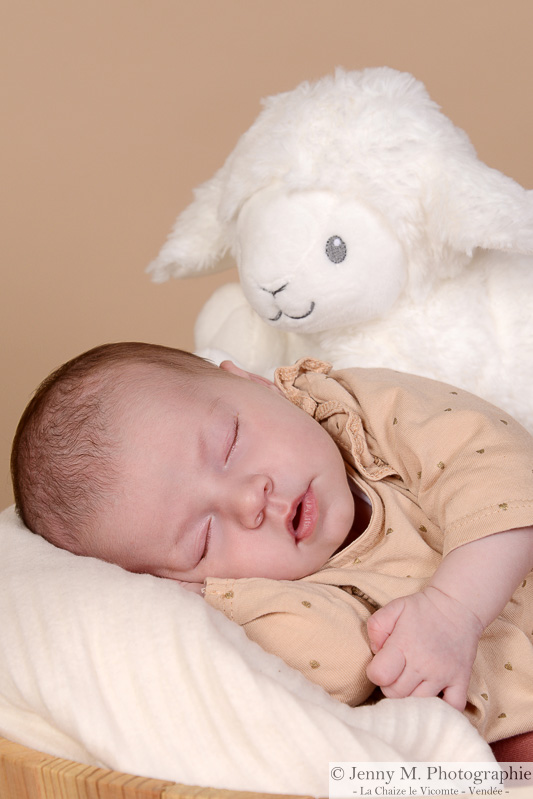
(134, 673)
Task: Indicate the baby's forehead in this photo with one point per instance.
(143, 376)
(151, 408)
(137, 385)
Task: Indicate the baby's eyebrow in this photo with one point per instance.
(215, 402)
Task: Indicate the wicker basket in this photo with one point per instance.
(28, 774)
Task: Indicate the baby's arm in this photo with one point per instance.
(320, 630)
(426, 643)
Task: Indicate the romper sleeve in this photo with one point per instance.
(468, 464)
(317, 629)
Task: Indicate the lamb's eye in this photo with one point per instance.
(336, 249)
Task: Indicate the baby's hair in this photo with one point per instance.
(63, 458)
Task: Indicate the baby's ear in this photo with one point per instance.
(229, 366)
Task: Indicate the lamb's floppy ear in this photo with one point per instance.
(199, 239)
(475, 206)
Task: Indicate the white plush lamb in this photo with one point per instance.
(366, 232)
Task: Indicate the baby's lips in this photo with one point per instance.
(308, 515)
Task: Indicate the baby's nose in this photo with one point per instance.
(250, 504)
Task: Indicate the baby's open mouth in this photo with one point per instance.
(304, 517)
(297, 516)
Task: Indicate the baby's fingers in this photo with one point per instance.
(455, 695)
(381, 624)
(410, 684)
(386, 667)
(196, 588)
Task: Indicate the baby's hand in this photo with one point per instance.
(424, 644)
(196, 588)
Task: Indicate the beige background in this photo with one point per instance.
(114, 110)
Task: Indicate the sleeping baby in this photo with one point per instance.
(370, 527)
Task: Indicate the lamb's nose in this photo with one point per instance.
(276, 290)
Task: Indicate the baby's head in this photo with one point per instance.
(161, 462)
(65, 452)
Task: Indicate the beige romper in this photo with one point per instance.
(441, 468)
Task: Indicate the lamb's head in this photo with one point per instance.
(312, 260)
(343, 195)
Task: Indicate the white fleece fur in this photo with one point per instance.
(437, 277)
(134, 673)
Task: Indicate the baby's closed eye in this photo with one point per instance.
(233, 439)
